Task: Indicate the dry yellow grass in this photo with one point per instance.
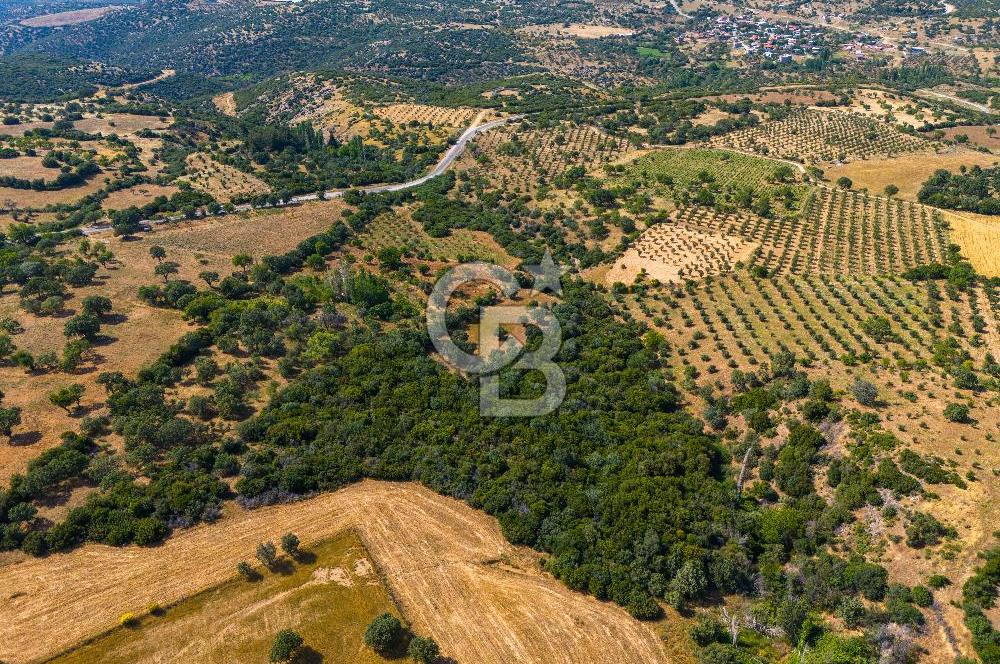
(449, 568)
(979, 237)
(27, 168)
(122, 124)
(226, 103)
(908, 172)
(138, 196)
(581, 30)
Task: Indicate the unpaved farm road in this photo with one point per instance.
(448, 567)
(446, 161)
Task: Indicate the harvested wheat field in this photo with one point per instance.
(979, 237)
(908, 172)
(27, 168)
(328, 594)
(450, 570)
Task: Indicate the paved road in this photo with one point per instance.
(446, 161)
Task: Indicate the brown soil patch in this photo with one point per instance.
(581, 30)
(448, 566)
(28, 198)
(68, 18)
(23, 128)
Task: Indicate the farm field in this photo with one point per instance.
(979, 238)
(907, 172)
(813, 136)
(219, 180)
(450, 570)
(328, 596)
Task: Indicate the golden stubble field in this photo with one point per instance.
(447, 566)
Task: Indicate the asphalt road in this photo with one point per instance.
(453, 153)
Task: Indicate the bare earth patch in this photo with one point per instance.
(68, 18)
(449, 568)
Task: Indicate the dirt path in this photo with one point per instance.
(448, 566)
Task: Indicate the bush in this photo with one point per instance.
(706, 630)
(864, 392)
(922, 596)
(957, 412)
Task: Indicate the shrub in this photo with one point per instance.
(957, 412)
(423, 649)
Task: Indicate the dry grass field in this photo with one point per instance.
(328, 596)
(68, 18)
(448, 567)
(28, 198)
(139, 195)
(579, 30)
(27, 168)
(436, 115)
(123, 124)
(907, 172)
(977, 135)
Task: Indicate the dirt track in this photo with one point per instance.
(452, 572)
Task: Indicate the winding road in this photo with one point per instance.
(453, 153)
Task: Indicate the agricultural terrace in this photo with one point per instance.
(813, 136)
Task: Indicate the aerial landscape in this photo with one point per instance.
(551, 331)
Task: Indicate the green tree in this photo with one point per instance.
(891, 190)
(845, 182)
(66, 396)
(383, 633)
(267, 554)
(82, 325)
(423, 649)
(243, 261)
(290, 544)
(158, 253)
(166, 269)
(96, 305)
(9, 418)
(286, 645)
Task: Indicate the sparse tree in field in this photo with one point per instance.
(72, 354)
(285, 645)
(97, 305)
(166, 269)
(205, 370)
(82, 325)
(290, 544)
(7, 347)
(157, 253)
(957, 412)
(891, 190)
(267, 554)
(66, 396)
(424, 650)
(845, 182)
(243, 261)
(9, 418)
(209, 277)
(383, 633)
